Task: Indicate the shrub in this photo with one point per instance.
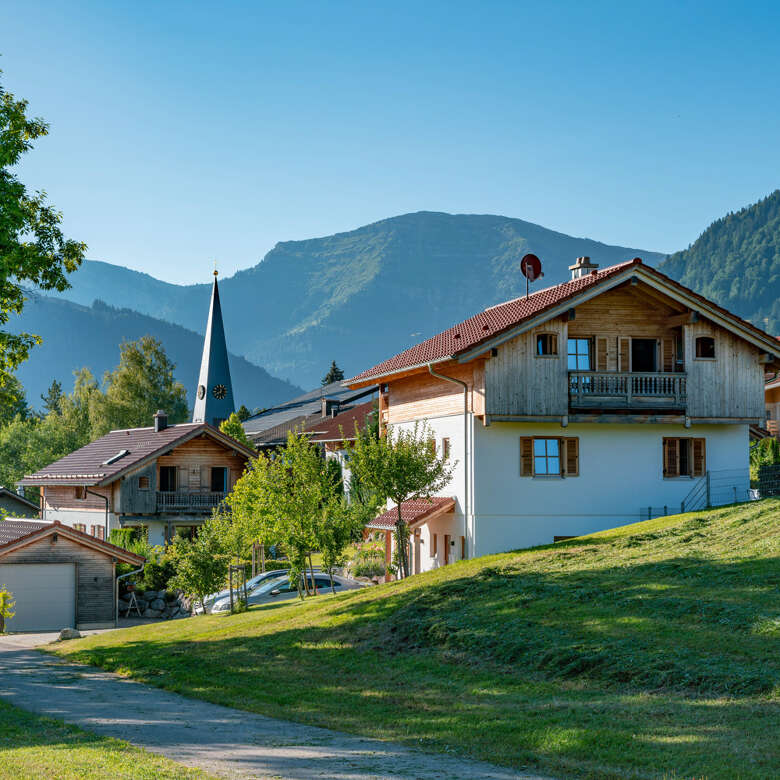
(368, 560)
(7, 605)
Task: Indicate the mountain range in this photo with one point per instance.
(360, 296)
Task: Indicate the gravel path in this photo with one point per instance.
(220, 740)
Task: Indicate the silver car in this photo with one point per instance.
(280, 589)
(251, 584)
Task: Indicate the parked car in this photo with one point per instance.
(280, 589)
(251, 584)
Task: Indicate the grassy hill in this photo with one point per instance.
(75, 336)
(648, 651)
(360, 296)
(736, 262)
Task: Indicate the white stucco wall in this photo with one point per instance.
(71, 517)
(621, 472)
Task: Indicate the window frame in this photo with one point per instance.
(553, 342)
(174, 471)
(691, 445)
(590, 355)
(568, 457)
(445, 447)
(700, 339)
(144, 482)
(225, 481)
(80, 493)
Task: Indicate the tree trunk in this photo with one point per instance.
(400, 542)
(311, 569)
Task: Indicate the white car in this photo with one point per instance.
(280, 589)
(251, 584)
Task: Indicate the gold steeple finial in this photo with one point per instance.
(216, 273)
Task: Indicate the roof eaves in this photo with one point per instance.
(377, 378)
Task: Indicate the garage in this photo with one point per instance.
(45, 595)
(59, 577)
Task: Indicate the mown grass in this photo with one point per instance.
(33, 746)
(651, 650)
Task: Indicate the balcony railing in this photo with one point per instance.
(773, 428)
(182, 501)
(614, 390)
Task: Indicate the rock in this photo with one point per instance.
(151, 613)
(70, 633)
(158, 604)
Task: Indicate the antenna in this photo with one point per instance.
(531, 266)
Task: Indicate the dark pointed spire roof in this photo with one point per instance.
(214, 394)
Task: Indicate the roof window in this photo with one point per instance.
(115, 458)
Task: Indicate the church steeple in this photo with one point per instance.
(214, 396)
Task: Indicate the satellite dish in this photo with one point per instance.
(531, 266)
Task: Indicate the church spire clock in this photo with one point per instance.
(214, 395)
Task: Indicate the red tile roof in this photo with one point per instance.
(89, 465)
(412, 512)
(11, 530)
(489, 323)
(330, 428)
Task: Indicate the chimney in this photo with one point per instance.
(160, 421)
(330, 407)
(582, 267)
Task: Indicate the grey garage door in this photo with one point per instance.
(45, 595)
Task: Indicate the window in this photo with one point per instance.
(434, 545)
(80, 492)
(445, 448)
(168, 479)
(553, 456)
(80, 527)
(546, 345)
(97, 531)
(579, 354)
(218, 479)
(705, 347)
(768, 414)
(684, 457)
(143, 483)
(643, 355)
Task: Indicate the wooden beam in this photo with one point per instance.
(765, 358)
(642, 292)
(683, 319)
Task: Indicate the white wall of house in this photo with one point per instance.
(620, 472)
(86, 517)
(450, 427)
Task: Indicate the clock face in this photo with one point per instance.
(201, 392)
(219, 391)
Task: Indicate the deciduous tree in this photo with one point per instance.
(233, 428)
(400, 466)
(33, 249)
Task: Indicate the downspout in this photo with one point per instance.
(465, 387)
(116, 601)
(105, 498)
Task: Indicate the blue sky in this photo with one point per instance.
(187, 131)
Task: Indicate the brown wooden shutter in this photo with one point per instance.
(668, 352)
(601, 353)
(182, 479)
(699, 448)
(671, 457)
(624, 355)
(572, 456)
(205, 478)
(526, 456)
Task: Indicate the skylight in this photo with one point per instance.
(115, 458)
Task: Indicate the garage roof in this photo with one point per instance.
(19, 533)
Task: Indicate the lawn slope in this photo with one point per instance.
(651, 650)
(33, 746)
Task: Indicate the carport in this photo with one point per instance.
(59, 577)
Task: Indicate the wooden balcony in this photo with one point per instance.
(773, 427)
(182, 501)
(615, 390)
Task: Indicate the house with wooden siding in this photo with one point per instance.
(164, 478)
(577, 408)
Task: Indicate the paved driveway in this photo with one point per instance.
(220, 740)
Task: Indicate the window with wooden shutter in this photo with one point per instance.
(671, 457)
(669, 352)
(601, 353)
(526, 456)
(624, 355)
(699, 457)
(572, 456)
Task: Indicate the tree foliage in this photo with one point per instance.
(243, 413)
(400, 466)
(52, 398)
(141, 384)
(335, 374)
(33, 249)
(7, 605)
(233, 428)
(201, 565)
